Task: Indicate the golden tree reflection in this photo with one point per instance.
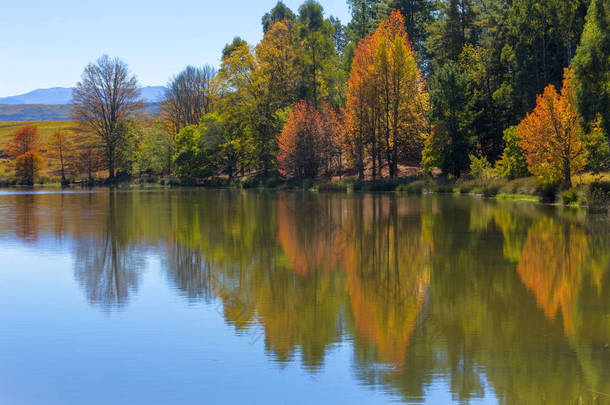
(388, 269)
(512, 297)
(552, 266)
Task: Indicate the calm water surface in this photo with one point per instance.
(233, 297)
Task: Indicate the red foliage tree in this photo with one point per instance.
(24, 149)
(310, 142)
(24, 140)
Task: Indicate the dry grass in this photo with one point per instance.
(588, 178)
(45, 128)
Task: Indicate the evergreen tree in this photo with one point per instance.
(592, 66)
(417, 15)
(540, 45)
(278, 13)
(364, 18)
(451, 31)
(451, 141)
(316, 55)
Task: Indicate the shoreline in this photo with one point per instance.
(525, 189)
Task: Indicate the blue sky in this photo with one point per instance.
(47, 43)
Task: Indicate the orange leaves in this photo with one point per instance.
(386, 98)
(24, 149)
(393, 27)
(553, 265)
(26, 139)
(310, 141)
(60, 148)
(300, 142)
(27, 166)
(551, 135)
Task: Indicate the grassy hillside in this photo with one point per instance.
(45, 128)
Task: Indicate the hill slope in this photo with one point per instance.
(45, 129)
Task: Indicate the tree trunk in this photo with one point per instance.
(64, 182)
(567, 175)
(111, 170)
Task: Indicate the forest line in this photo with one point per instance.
(487, 89)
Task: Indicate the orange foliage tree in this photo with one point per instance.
(552, 136)
(60, 148)
(309, 142)
(361, 109)
(24, 149)
(387, 104)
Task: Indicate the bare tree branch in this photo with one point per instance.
(106, 94)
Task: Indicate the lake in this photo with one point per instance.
(219, 296)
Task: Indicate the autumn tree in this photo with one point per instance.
(403, 97)
(188, 96)
(417, 15)
(86, 156)
(552, 135)
(239, 102)
(387, 103)
(106, 94)
(258, 87)
(24, 149)
(275, 80)
(333, 123)
(360, 109)
(61, 148)
(307, 142)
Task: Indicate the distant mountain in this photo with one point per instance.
(63, 95)
(34, 112)
(49, 112)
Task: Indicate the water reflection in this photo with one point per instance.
(510, 298)
(107, 263)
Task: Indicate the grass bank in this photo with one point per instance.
(589, 190)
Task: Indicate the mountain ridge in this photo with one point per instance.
(50, 112)
(63, 95)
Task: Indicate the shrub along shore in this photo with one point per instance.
(590, 191)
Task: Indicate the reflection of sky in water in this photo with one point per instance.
(192, 297)
(56, 348)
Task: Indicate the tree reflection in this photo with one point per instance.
(388, 270)
(296, 299)
(485, 295)
(108, 263)
(25, 213)
(189, 272)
